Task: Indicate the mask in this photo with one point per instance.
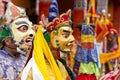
(62, 38)
(17, 26)
(23, 33)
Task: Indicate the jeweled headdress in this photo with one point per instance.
(56, 20)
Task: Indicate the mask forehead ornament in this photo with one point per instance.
(14, 12)
(56, 20)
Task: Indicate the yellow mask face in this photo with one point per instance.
(62, 38)
(23, 33)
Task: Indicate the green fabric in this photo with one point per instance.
(89, 68)
(4, 33)
(47, 37)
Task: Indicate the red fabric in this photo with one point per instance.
(57, 54)
(78, 16)
(43, 8)
(113, 75)
(86, 77)
(101, 31)
(57, 22)
(87, 45)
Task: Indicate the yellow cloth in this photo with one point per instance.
(87, 38)
(91, 11)
(104, 57)
(1, 79)
(52, 76)
(62, 70)
(41, 50)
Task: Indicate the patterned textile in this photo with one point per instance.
(86, 55)
(113, 75)
(10, 66)
(86, 61)
(102, 5)
(87, 37)
(82, 4)
(87, 30)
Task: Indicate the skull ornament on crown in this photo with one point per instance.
(16, 24)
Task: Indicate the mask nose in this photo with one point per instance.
(31, 35)
(72, 39)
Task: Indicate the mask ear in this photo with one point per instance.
(15, 12)
(53, 39)
(52, 34)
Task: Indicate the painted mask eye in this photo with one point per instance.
(23, 28)
(65, 35)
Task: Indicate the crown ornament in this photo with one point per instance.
(63, 20)
(56, 20)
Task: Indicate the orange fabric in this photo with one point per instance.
(101, 30)
(104, 57)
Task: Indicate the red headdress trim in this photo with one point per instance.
(64, 19)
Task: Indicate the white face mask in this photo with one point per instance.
(23, 33)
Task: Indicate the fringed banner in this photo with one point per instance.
(102, 5)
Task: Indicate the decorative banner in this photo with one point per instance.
(80, 4)
(80, 8)
(102, 5)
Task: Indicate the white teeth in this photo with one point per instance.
(69, 44)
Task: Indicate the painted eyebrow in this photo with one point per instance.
(66, 31)
(21, 22)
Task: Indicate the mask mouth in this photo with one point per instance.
(70, 45)
(28, 41)
(68, 48)
(65, 51)
(25, 44)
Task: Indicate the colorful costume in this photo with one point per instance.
(61, 37)
(10, 66)
(112, 56)
(86, 58)
(45, 66)
(42, 63)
